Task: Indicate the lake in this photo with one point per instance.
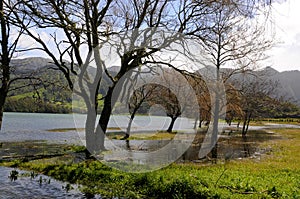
(49, 127)
(36, 126)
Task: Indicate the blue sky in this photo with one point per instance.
(284, 56)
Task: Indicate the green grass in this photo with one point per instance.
(276, 175)
(275, 121)
(151, 135)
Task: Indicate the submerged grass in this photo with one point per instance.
(151, 135)
(275, 175)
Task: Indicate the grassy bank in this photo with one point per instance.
(275, 175)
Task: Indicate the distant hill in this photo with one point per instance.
(55, 96)
(46, 92)
(289, 81)
(50, 93)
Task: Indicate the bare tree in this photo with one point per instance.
(9, 43)
(80, 30)
(232, 37)
(258, 97)
(203, 97)
(141, 95)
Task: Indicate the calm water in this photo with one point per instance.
(32, 126)
(39, 187)
(36, 126)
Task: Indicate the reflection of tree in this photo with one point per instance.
(246, 147)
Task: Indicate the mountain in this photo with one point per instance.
(47, 90)
(290, 81)
(55, 96)
(30, 64)
(41, 89)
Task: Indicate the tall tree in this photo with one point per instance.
(81, 29)
(232, 37)
(9, 43)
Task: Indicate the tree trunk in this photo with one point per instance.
(3, 94)
(128, 128)
(195, 124)
(248, 122)
(106, 111)
(173, 119)
(4, 62)
(131, 120)
(214, 139)
(245, 124)
(2, 102)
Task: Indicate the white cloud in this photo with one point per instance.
(286, 55)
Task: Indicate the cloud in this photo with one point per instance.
(286, 55)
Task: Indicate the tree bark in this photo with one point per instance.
(94, 139)
(170, 129)
(2, 102)
(5, 61)
(195, 123)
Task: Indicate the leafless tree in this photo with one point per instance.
(258, 97)
(9, 39)
(233, 37)
(141, 95)
(80, 30)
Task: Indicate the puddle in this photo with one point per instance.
(30, 186)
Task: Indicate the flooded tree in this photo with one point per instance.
(133, 33)
(230, 26)
(81, 31)
(258, 97)
(141, 95)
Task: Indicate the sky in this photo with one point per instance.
(285, 17)
(286, 54)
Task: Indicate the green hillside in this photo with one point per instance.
(46, 91)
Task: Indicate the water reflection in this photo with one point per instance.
(231, 146)
(41, 186)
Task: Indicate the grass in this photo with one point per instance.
(275, 175)
(151, 135)
(275, 121)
